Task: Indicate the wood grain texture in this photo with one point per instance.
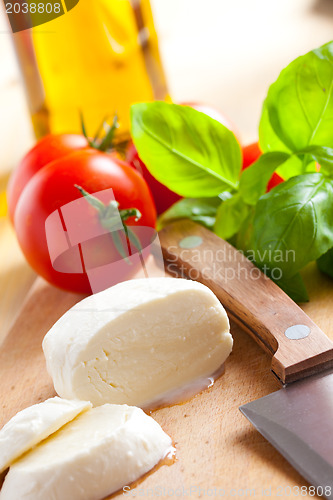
(22, 366)
(250, 298)
(217, 448)
(16, 277)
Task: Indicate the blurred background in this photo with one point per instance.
(215, 51)
(219, 52)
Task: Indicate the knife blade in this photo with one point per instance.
(297, 419)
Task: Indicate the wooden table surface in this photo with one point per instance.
(226, 54)
(219, 453)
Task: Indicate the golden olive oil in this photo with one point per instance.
(97, 59)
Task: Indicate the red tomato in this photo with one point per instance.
(275, 180)
(251, 153)
(50, 148)
(163, 196)
(75, 243)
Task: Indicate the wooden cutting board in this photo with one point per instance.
(218, 452)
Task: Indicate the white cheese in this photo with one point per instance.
(35, 423)
(137, 341)
(96, 454)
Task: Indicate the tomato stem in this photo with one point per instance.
(106, 142)
(130, 212)
(119, 246)
(100, 128)
(84, 131)
(109, 216)
(95, 202)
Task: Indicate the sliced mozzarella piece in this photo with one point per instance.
(137, 341)
(98, 453)
(35, 423)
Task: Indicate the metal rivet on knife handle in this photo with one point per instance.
(190, 242)
(297, 332)
(250, 298)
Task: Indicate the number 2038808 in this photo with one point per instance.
(303, 491)
(33, 8)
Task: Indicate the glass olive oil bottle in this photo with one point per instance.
(96, 59)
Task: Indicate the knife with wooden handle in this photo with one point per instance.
(298, 419)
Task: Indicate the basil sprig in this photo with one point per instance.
(197, 157)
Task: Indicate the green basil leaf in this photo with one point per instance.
(230, 217)
(325, 263)
(201, 210)
(294, 287)
(322, 155)
(254, 179)
(293, 223)
(294, 166)
(186, 150)
(300, 102)
(269, 142)
(243, 240)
